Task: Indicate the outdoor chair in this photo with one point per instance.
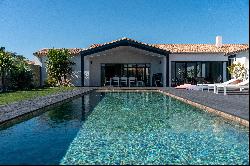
(140, 83)
(124, 80)
(116, 80)
(184, 86)
(213, 86)
(107, 82)
(131, 80)
(241, 85)
(194, 87)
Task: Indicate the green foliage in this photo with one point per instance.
(59, 67)
(6, 65)
(238, 71)
(14, 71)
(6, 61)
(2, 48)
(50, 82)
(21, 76)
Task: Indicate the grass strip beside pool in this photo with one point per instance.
(10, 97)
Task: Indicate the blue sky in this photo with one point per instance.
(29, 25)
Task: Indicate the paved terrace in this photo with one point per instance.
(234, 104)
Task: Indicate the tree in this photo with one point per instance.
(59, 67)
(6, 65)
(14, 71)
(2, 48)
(21, 75)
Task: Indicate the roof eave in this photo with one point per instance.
(125, 42)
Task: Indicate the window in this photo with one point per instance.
(188, 72)
(140, 71)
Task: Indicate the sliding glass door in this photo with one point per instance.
(192, 72)
(140, 71)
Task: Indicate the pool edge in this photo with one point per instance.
(33, 109)
(222, 114)
(209, 109)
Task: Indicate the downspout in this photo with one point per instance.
(82, 68)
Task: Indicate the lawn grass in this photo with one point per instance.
(10, 97)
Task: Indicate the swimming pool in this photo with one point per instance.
(124, 128)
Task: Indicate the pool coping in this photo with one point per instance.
(211, 110)
(225, 115)
(15, 111)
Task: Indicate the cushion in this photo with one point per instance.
(235, 82)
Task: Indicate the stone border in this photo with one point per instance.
(127, 90)
(14, 110)
(197, 105)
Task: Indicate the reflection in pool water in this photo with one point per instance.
(124, 128)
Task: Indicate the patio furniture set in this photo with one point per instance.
(124, 81)
(233, 84)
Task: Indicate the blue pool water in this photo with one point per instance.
(124, 128)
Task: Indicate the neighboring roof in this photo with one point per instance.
(72, 51)
(31, 62)
(159, 48)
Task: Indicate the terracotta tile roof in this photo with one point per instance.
(72, 51)
(31, 62)
(124, 38)
(173, 48)
(203, 48)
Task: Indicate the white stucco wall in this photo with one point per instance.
(243, 58)
(76, 73)
(122, 54)
(44, 73)
(87, 75)
(197, 57)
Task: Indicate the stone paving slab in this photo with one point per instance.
(237, 105)
(14, 110)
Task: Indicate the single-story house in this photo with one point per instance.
(151, 64)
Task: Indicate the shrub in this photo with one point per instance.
(59, 67)
(238, 71)
(15, 71)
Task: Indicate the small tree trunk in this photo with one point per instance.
(3, 81)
